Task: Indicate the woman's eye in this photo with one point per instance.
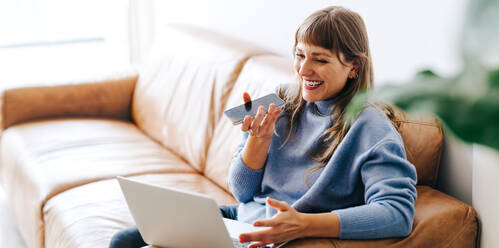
(300, 55)
(321, 61)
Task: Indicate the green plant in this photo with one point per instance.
(468, 103)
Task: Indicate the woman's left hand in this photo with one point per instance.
(287, 224)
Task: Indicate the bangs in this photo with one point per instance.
(318, 31)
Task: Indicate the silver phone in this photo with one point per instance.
(237, 114)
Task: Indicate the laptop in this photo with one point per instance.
(169, 217)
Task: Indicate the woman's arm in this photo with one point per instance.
(255, 152)
(390, 195)
(289, 224)
(261, 129)
(246, 170)
(324, 225)
(389, 192)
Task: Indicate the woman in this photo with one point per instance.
(305, 172)
(330, 178)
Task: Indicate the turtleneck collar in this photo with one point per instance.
(325, 105)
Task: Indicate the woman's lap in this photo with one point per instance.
(131, 238)
(229, 211)
(128, 238)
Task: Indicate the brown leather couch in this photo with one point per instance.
(62, 146)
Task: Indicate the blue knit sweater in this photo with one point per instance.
(368, 181)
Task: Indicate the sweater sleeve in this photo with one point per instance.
(244, 182)
(390, 194)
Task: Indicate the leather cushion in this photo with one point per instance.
(44, 158)
(182, 90)
(109, 97)
(89, 215)
(439, 221)
(423, 140)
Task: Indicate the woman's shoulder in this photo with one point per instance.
(373, 123)
(371, 115)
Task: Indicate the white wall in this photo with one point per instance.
(455, 175)
(405, 36)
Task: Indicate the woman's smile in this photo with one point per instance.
(312, 85)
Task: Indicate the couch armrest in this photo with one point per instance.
(439, 221)
(108, 98)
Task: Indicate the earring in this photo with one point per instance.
(354, 76)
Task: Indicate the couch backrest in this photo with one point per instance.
(262, 74)
(423, 140)
(183, 86)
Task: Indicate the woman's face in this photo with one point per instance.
(321, 73)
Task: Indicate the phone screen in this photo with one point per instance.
(237, 114)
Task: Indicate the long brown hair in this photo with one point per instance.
(339, 30)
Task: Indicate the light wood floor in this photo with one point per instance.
(9, 235)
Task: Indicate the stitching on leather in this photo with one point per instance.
(332, 243)
(451, 243)
(465, 228)
(2, 111)
(438, 125)
(420, 123)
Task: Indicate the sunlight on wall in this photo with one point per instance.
(405, 37)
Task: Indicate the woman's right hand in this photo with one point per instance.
(262, 125)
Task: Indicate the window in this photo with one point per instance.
(56, 40)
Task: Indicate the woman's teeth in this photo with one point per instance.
(313, 83)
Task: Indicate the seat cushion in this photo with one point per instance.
(89, 215)
(41, 159)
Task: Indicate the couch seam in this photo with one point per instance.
(419, 123)
(332, 243)
(217, 115)
(455, 238)
(440, 152)
(2, 114)
(465, 228)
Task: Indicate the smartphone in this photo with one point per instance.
(237, 114)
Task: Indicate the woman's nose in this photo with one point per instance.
(306, 69)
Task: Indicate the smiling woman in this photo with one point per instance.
(328, 189)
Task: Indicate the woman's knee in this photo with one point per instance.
(128, 238)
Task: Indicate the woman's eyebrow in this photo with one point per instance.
(321, 54)
(314, 53)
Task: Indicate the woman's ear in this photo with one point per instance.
(354, 71)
